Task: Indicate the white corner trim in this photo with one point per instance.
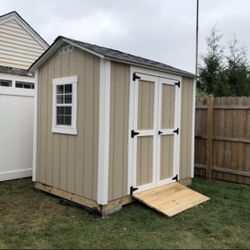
(193, 131)
(104, 117)
(35, 128)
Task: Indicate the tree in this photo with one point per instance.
(238, 69)
(212, 74)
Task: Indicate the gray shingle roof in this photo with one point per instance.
(127, 58)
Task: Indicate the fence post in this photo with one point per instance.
(209, 159)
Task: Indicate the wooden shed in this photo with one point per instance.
(110, 125)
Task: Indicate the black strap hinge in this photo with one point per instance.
(178, 84)
(135, 77)
(132, 190)
(175, 178)
(134, 133)
(176, 131)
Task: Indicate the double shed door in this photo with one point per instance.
(155, 137)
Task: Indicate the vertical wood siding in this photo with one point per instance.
(186, 128)
(17, 47)
(119, 119)
(70, 162)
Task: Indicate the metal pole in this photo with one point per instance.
(197, 38)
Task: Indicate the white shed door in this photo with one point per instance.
(155, 131)
(16, 133)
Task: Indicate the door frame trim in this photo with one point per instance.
(131, 146)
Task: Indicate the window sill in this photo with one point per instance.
(67, 131)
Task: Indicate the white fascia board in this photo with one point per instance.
(104, 122)
(14, 16)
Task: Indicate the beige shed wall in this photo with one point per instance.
(69, 162)
(17, 47)
(186, 128)
(119, 120)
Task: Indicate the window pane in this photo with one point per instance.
(59, 89)
(60, 120)
(68, 98)
(60, 110)
(67, 120)
(5, 83)
(67, 110)
(59, 99)
(24, 85)
(68, 88)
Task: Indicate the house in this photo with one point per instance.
(110, 124)
(20, 46)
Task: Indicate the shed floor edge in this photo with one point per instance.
(111, 207)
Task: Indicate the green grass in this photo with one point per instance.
(33, 219)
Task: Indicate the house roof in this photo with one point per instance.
(15, 16)
(111, 54)
(15, 71)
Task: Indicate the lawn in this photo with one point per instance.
(33, 219)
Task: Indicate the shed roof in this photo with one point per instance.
(110, 54)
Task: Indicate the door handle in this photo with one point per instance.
(160, 132)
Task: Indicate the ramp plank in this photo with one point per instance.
(171, 199)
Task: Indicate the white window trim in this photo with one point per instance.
(72, 130)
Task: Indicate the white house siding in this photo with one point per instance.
(18, 48)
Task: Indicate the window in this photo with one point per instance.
(5, 83)
(24, 85)
(64, 105)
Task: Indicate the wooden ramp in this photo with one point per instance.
(171, 199)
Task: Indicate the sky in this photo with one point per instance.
(162, 30)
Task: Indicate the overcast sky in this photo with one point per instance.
(163, 30)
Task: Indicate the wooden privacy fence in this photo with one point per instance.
(222, 138)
